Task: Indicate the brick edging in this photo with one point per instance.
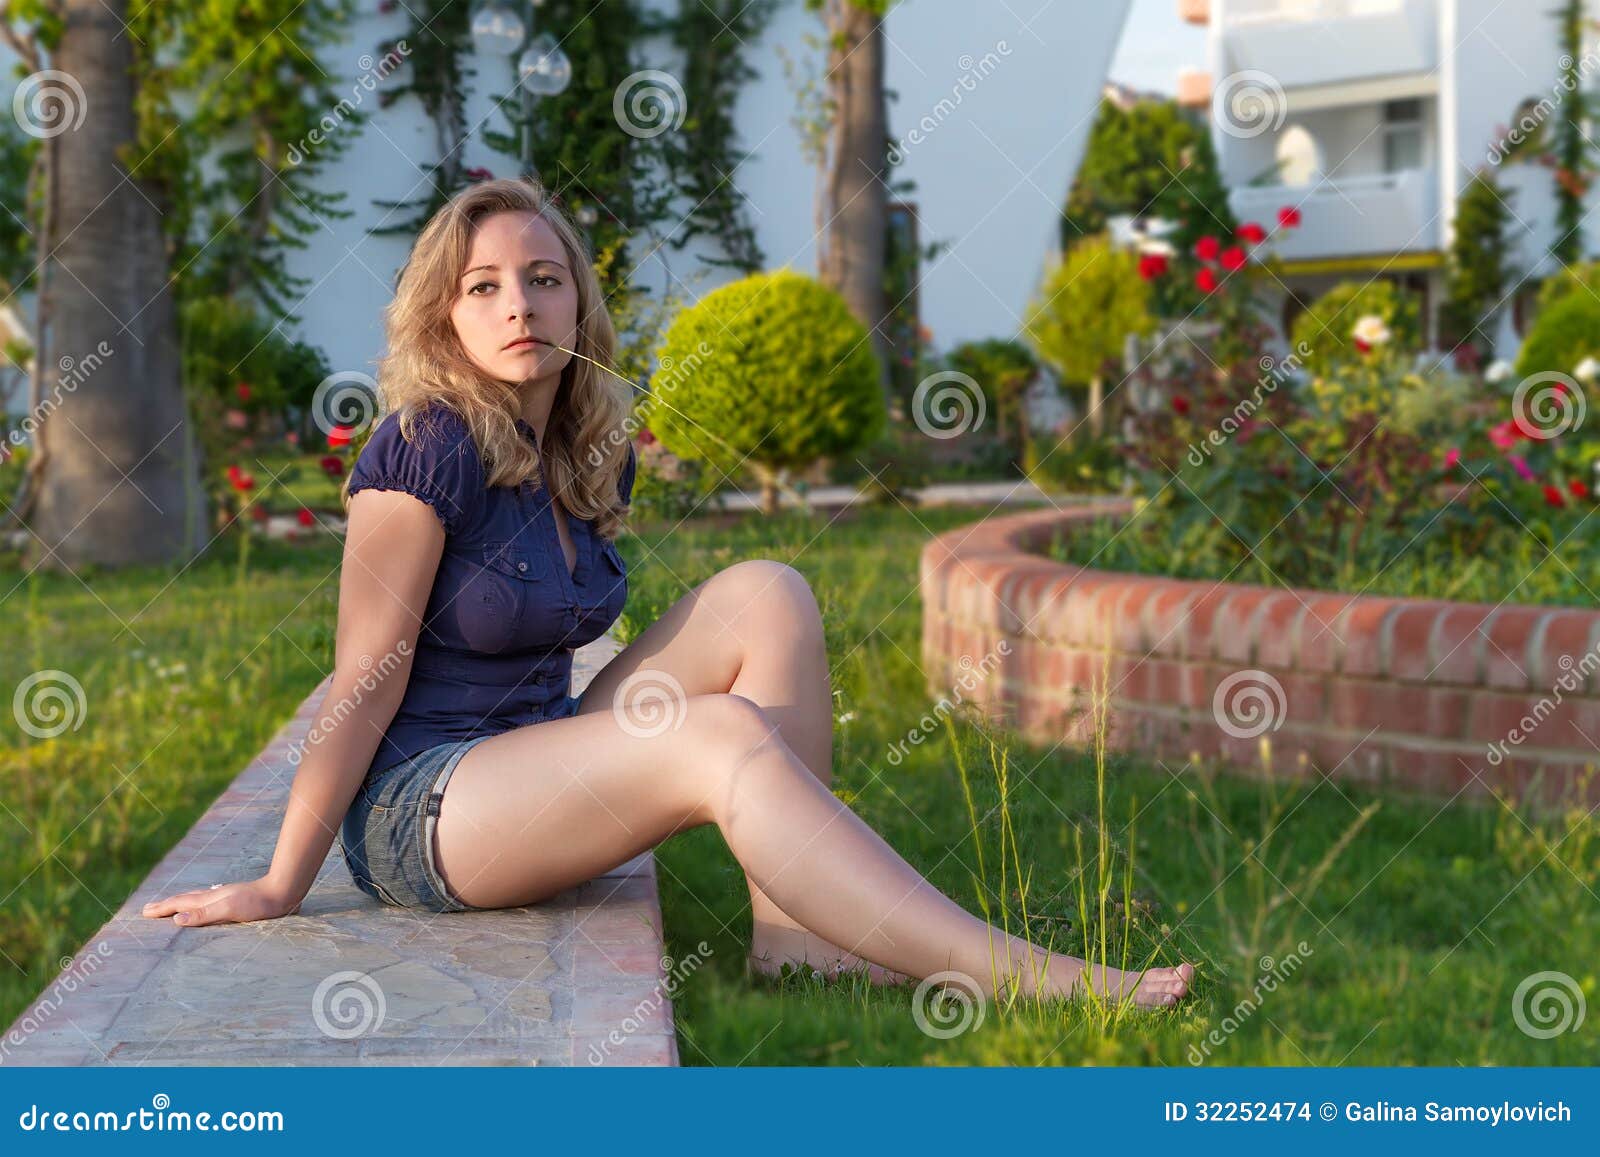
(1412, 693)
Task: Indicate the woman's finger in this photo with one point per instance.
(198, 914)
(170, 904)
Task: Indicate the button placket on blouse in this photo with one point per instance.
(544, 516)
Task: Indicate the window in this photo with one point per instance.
(1402, 135)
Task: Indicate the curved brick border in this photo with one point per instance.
(1392, 691)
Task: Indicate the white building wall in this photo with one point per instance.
(1010, 91)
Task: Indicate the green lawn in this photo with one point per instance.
(1418, 921)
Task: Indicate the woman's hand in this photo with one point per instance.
(225, 904)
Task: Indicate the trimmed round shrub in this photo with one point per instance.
(1565, 332)
(772, 371)
(1325, 326)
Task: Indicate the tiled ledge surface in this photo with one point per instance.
(578, 980)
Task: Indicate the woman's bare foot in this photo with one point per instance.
(1151, 988)
(773, 945)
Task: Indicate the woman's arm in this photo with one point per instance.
(392, 549)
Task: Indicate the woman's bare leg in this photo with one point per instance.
(537, 810)
(753, 629)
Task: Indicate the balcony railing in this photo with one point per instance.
(1350, 216)
(1306, 43)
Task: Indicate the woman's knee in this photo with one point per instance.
(774, 590)
(726, 732)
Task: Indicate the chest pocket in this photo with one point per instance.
(515, 593)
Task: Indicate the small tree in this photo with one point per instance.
(1085, 310)
(772, 370)
(1479, 265)
(1003, 369)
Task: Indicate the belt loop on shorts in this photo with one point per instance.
(433, 803)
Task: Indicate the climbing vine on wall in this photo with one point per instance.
(439, 65)
(242, 107)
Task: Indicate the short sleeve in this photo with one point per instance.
(625, 482)
(440, 465)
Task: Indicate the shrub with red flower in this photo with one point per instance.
(339, 437)
(333, 465)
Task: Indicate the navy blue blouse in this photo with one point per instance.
(495, 648)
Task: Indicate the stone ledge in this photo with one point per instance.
(577, 980)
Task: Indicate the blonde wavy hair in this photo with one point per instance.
(585, 445)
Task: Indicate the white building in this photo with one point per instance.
(1371, 116)
(991, 111)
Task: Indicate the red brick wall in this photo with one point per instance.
(1427, 695)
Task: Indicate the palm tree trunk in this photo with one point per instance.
(120, 485)
(858, 196)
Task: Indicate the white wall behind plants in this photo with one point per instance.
(1002, 96)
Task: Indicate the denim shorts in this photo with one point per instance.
(388, 832)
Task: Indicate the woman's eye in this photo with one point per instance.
(545, 277)
(479, 286)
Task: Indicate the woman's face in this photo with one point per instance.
(516, 284)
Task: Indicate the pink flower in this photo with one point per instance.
(1451, 458)
(1520, 465)
(1502, 437)
(236, 420)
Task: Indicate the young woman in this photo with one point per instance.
(450, 758)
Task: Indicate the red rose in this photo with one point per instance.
(1251, 233)
(1233, 258)
(1206, 280)
(1553, 496)
(1152, 265)
(646, 438)
(1289, 217)
(304, 517)
(339, 437)
(243, 391)
(1180, 404)
(1579, 490)
(334, 465)
(1207, 248)
(259, 513)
